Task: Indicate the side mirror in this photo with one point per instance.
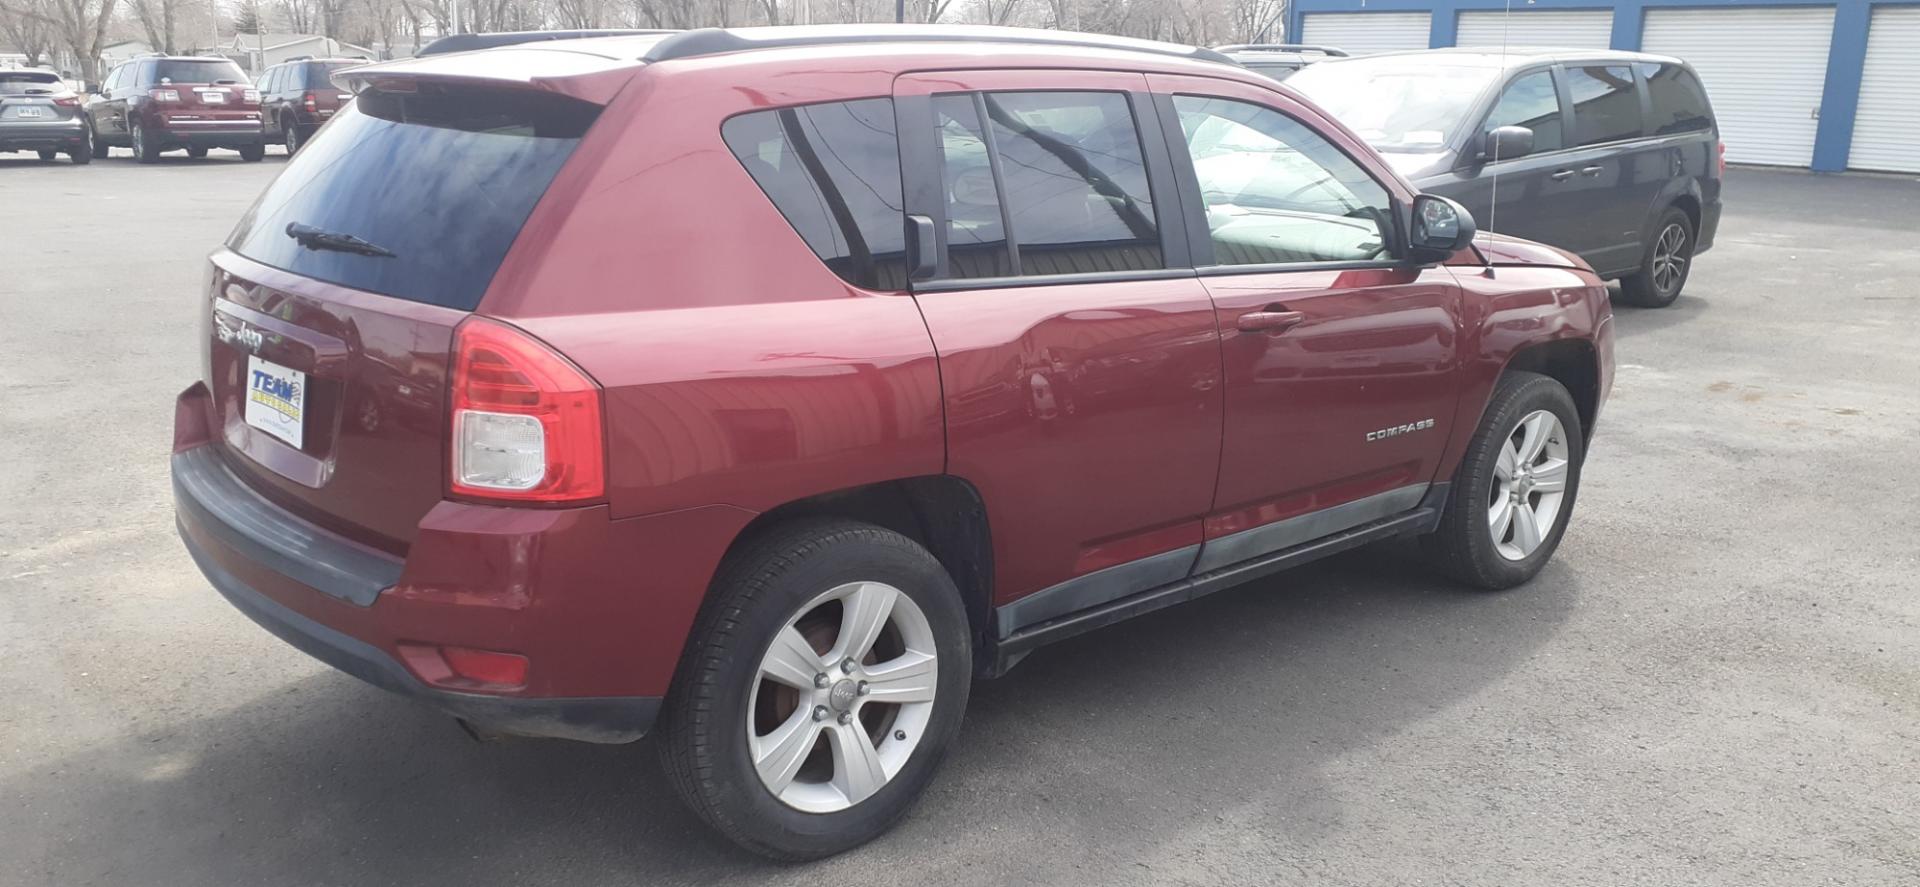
(1441, 228)
(1506, 143)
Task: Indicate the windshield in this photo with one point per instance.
(19, 82)
(1402, 104)
(195, 71)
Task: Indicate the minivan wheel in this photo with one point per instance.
(253, 153)
(824, 681)
(1514, 491)
(1663, 271)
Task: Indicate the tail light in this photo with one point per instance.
(1723, 159)
(67, 101)
(309, 102)
(164, 95)
(251, 97)
(526, 422)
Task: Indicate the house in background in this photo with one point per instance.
(257, 52)
(1824, 84)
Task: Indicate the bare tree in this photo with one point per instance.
(32, 34)
(997, 12)
(81, 25)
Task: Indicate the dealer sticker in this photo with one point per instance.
(276, 399)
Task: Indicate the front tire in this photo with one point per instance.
(197, 153)
(48, 155)
(98, 148)
(253, 153)
(822, 685)
(84, 152)
(1664, 268)
(1513, 493)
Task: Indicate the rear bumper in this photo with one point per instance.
(568, 589)
(214, 134)
(1709, 223)
(60, 134)
(618, 719)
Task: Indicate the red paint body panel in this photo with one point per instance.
(1101, 423)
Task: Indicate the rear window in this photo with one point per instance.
(1679, 102)
(19, 82)
(321, 76)
(197, 71)
(443, 180)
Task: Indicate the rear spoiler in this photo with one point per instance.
(580, 75)
(469, 42)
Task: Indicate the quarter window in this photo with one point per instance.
(1275, 192)
(1606, 107)
(1532, 102)
(1679, 102)
(833, 170)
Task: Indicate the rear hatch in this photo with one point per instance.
(332, 310)
(28, 97)
(204, 92)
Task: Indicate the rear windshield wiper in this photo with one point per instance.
(320, 238)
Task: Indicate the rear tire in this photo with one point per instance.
(1664, 268)
(197, 153)
(253, 153)
(145, 150)
(96, 147)
(83, 153)
(1526, 454)
(292, 136)
(782, 599)
(48, 155)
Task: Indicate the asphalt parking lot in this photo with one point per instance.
(1716, 682)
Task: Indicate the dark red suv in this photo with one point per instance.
(159, 103)
(762, 388)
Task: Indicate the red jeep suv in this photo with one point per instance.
(761, 388)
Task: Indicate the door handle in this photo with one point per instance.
(1271, 319)
(1590, 170)
(1561, 175)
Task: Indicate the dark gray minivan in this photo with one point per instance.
(1612, 155)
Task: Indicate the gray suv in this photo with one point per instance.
(1611, 155)
(40, 113)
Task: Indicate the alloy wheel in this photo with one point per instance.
(1669, 257)
(1529, 485)
(842, 697)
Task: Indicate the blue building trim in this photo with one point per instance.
(1846, 56)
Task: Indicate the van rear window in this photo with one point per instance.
(416, 196)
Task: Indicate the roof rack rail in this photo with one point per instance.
(1283, 47)
(466, 42)
(713, 41)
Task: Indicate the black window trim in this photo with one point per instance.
(924, 195)
(1194, 210)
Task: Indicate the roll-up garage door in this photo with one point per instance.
(1364, 32)
(1575, 28)
(1886, 128)
(1764, 69)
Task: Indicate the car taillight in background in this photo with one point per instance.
(526, 422)
(164, 95)
(67, 101)
(309, 102)
(1723, 158)
(251, 97)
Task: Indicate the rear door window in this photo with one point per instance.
(437, 184)
(976, 230)
(1075, 182)
(833, 171)
(1606, 107)
(1679, 102)
(1532, 102)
